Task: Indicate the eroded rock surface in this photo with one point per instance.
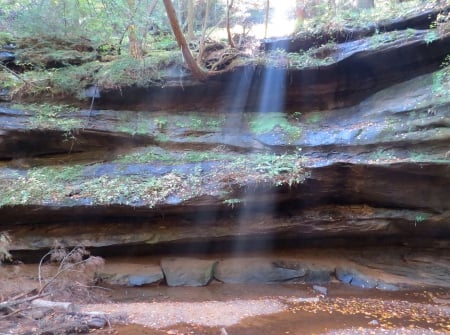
(352, 152)
(188, 271)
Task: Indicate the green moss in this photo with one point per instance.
(284, 169)
(155, 154)
(275, 122)
(204, 156)
(74, 79)
(55, 185)
(127, 71)
(49, 116)
(148, 155)
(6, 38)
(232, 202)
(314, 117)
(199, 121)
(160, 123)
(40, 185)
(62, 185)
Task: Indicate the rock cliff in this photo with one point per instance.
(351, 152)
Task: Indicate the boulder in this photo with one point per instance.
(259, 270)
(382, 286)
(320, 289)
(318, 274)
(132, 275)
(355, 278)
(187, 271)
(5, 94)
(6, 56)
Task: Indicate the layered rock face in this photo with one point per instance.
(354, 153)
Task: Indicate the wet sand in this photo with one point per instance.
(278, 309)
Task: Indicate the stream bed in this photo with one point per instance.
(280, 309)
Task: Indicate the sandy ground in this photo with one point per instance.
(295, 314)
(231, 309)
(210, 313)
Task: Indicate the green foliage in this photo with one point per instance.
(232, 202)
(9, 81)
(314, 117)
(345, 16)
(420, 218)
(67, 184)
(51, 116)
(275, 121)
(47, 17)
(418, 157)
(127, 71)
(441, 80)
(6, 38)
(431, 36)
(382, 155)
(198, 121)
(50, 184)
(40, 185)
(73, 79)
(160, 123)
(148, 155)
(166, 42)
(284, 169)
(155, 154)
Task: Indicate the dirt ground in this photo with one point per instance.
(222, 309)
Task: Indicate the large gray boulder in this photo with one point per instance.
(259, 270)
(318, 274)
(131, 275)
(187, 271)
(356, 278)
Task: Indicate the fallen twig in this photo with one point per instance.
(67, 306)
(17, 75)
(10, 303)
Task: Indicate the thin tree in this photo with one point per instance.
(135, 45)
(190, 20)
(230, 39)
(196, 70)
(267, 18)
(205, 25)
(364, 4)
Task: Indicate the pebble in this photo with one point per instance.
(320, 289)
(96, 322)
(374, 323)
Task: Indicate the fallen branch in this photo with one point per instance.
(17, 75)
(10, 303)
(66, 306)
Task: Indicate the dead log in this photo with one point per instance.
(66, 306)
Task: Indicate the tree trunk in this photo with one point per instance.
(135, 45)
(201, 48)
(190, 20)
(196, 70)
(365, 4)
(267, 18)
(332, 7)
(230, 38)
